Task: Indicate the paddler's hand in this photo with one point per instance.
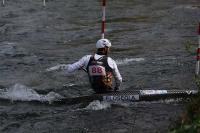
(57, 68)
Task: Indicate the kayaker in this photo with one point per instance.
(100, 68)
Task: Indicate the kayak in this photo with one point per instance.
(118, 96)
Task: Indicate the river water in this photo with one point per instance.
(153, 45)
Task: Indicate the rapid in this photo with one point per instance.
(152, 43)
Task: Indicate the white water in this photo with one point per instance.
(20, 92)
(98, 105)
(128, 60)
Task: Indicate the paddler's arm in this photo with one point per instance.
(69, 68)
(81, 64)
(57, 67)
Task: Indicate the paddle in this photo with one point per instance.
(57, 67)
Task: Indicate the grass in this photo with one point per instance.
(190, 47)
(190, 120)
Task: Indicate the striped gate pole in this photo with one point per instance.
(3, 2)
(44, 2)
(198, 52)
(103, 19)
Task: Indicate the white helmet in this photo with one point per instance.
(102, 43)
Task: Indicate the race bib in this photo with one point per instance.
(96, 70)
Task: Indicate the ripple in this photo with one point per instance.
(128, 60)
(129, 19)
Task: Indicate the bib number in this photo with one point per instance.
(97, 71)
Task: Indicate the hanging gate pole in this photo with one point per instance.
(44, 2)
(103, 19)
(3, 2)
(198, 52)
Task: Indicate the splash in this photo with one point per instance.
(98, 105)
(69, 85)
(127, 60)
(20, 92)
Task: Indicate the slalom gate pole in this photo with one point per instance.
(44, 2)
(198, 52)
(103, 19)
(3, 2)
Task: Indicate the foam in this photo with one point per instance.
(20, 92)
(128, 60)
(98, 105)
